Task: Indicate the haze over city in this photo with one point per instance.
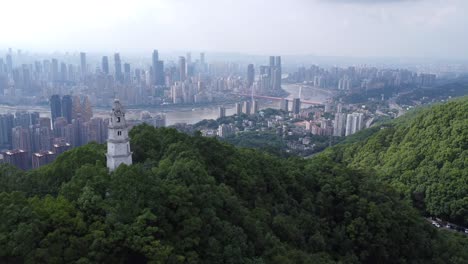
(357, 28)
(234, 131)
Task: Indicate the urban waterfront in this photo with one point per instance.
(186, 114)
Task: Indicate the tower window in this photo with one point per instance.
(118, 119)
(119, 133)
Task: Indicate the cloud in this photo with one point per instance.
(367, 1)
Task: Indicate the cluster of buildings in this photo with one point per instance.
(30, 141)
(360, 78)
(26, 77)
(297, 127)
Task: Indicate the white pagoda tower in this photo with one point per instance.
(118, 143)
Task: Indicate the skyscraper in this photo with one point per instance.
(6, 125)
(339, 125)
(222, 112)
(9, 63)
(202, 58)
(238, 108)
(21, 138)
(296, 105)
(189, 58)
(160, 73)
(272, 61)
(127, 73)
(18, 158)
(63, 72)
(67, 108)
(55, 107)
(42, 158)
(118, 68)
(105, 64)
(284, 105)
(182, 69)
(277, 73)
(255, 106)
(83, 63)
(354, 123)
(87, 110)
(202, 65)
(154, 64)
(250, 75)
(247, 108)
(55, 70)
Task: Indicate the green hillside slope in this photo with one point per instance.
(197, 200)
(424, 155)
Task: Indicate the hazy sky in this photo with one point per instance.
(399, 28)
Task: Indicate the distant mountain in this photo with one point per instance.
(424, 155)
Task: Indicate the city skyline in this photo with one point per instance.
(355, 28)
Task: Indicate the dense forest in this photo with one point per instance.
(423, 155)
(190, 199)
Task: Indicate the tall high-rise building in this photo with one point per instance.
(77, 126)
(238, 108)
(154, 65)
(67, 108)
(60, 126)
(247, 108)
(63, 72)
(6, 126)
(9, 63)
(61, 147)
(21, 138)
(272, 61)
(189, 58)
(202, 58)
(118, 68)
(105, 65)
(83, 63)
(255, 107)
(42, 158)
(339, 125)
(296, 105)
(160, 73)
(127, 73)
(54, 71)
(277, 73)
(158, 69)
(250, 75)
(87, 110)
(354, 123)
(284, 105)
(77, 108)
(55, 107)
(18, 158)
(182, 69)
(222, 112)
(25, 119)
(41, 138)
(278, 61)
(118, 143)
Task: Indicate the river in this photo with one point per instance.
(188, 115)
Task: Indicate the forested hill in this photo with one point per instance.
(424, 155)
(197, 200)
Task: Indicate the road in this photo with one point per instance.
(443, 226)
(393, 105)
